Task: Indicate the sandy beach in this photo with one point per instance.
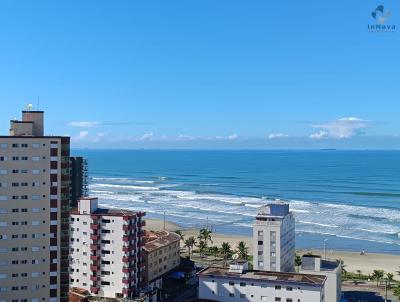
(353, 260)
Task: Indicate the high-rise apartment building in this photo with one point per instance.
(34, 212)
(274, 238)
(79, 179)
(106, 255)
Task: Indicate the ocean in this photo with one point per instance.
(350, 198)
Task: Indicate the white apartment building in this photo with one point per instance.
(106, 255)
(274, 238)
(237, 284)
(34, 212)
(331, 269)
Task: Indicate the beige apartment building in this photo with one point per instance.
(162, 254)
(34, 212)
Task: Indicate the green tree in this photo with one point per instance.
(215, 251)
(190, 243)
(202, 246)
(378, 275)
(205, 234)
(242, 250)
(297, 262)
(343, 266)
(180, 234)
(359, 273)
(397, 291)
(226, 251)
(389, 278)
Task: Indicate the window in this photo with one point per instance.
(3, 172)
(35, 158)
(231, 295)
(242, 283)
(277, 287)
(278, 299)
(24, 145)
(289, 300)
(260, 233)
(231, 283)
(3, 197)
(242, 296)
(264, 298)
(35, 146)
(3, 158)
(35, 172)
(3, 146)
(289, 288)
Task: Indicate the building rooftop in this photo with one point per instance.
(277, 277)
(158, 239)
(106, 211)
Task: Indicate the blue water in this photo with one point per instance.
(351, 198)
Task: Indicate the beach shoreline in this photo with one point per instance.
(353, 261)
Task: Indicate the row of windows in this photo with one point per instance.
(25, 210)
(24, 222)
(25, 184)
(26, 171)
(22, 249)
(34, 145)
(23, 158)
(32, 300)
(262, 298)
(23, 197)
(22, 236)
(22, 262)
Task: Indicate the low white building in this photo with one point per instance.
(237, 284)
(106, 255)
(311, 264)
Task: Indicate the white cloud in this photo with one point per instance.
(319, 135)
(84, 124)
(342, 128)
(147, 137)
(277, 135)
(82, 135)
(233, 137)
(185, 137)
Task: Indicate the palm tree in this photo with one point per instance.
(180, 234)
(202, 246)
(389, 278)
(205, 234)
(343, 266)
(214, 250)
(242, 250)
(190, 243)
(397, 291)
(297, 262)
(378, 275)
(226, 251)
(359, 273)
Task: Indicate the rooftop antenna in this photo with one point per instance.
(29, 107)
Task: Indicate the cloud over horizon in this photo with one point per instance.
(341, 128)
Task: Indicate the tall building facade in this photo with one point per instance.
(106, 255)
(274, 238)
(34, 212)
(79, 179)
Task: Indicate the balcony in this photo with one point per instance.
(94, 278)
(94, 247)
(129, 248)
(94, 237)
(94, 268)
(127, 227)
(94, 257)
(94, 226)
(94, 289)
(127, 280)
(127, 259)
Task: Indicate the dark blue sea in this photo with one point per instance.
(351, 198)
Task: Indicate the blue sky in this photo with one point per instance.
(204, 74)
